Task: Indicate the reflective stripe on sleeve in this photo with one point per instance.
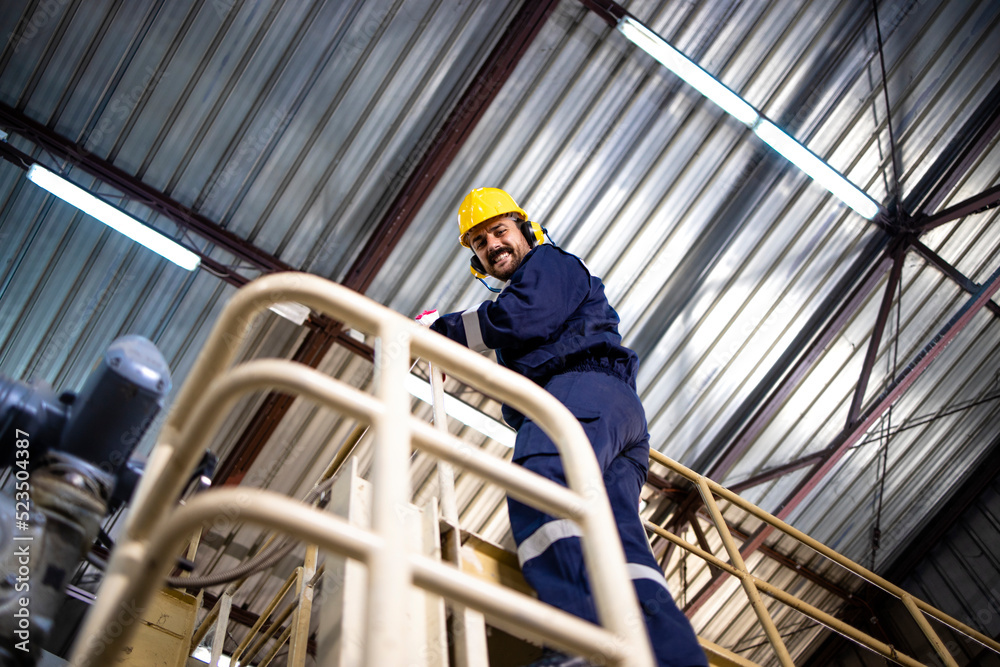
(473, 334)
(546, 535)
(636, 571)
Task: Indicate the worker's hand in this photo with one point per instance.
(427, 318)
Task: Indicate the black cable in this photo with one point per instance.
(888, 114)
(492, 289)
(263, 560)
(927, 419)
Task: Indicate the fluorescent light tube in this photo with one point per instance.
(113, 217)
(292, 311)
(687, 69)
(819, 170)
(463, 412)
(733, 104)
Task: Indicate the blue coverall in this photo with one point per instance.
(553, 324)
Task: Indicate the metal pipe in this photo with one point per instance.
(149, 568)
(299, 629)
(284, 637)
(446, 473)
(468, 628)
(219, 640)
(389, 568)
(820, 548)
(928, 631)
(830, 621)
(276, 624)
(292, 579)
(741, 571)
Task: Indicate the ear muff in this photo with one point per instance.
(532, 231)
(477, 268)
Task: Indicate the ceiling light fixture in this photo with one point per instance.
(292, 311)
(736, 106)
(463, 412)
(113, 217)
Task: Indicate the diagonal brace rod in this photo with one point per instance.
(875, 341)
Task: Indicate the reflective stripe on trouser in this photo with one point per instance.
(549, 549)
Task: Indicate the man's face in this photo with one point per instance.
(500, 246)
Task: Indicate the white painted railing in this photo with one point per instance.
(157, 526)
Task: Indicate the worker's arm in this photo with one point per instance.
(543, 293)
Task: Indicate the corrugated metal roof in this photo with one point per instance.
(294, 126)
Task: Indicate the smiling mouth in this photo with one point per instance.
(499, 256)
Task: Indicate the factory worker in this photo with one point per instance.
(552, 323)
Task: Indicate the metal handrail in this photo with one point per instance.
(737, 568)
(291, 583)
(154, 524)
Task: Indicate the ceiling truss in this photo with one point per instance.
(901, 236)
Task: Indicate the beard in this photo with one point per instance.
(507, 270)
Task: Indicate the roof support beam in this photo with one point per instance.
(424, 177)
(22, 160)
(903, 382)
(938, 262)
(609, 10)
(977, 204)
(961, 279)
(799, 369)
(888, 296)
(776, 472)
(323, 332)
(970, 143)
(782, 380)
(449, 139)
(843, 442)
(133, 188)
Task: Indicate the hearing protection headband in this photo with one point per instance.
(532, 231)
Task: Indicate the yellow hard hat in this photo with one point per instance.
(482, 204)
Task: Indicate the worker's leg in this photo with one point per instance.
(670, 632)
(549, 550)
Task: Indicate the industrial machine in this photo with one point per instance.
(70, 461)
